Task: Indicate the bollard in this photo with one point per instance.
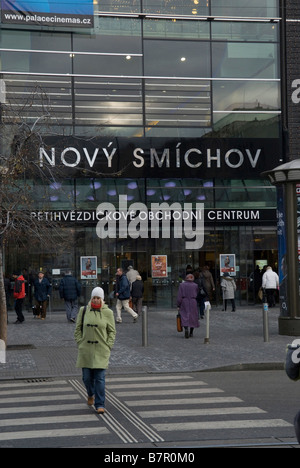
(265, 318)
(145, 326)
(207, 309)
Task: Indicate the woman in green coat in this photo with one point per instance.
(95, 335)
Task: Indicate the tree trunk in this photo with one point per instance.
(3, 308)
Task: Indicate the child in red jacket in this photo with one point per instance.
(19, 294)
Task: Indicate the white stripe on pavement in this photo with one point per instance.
(43, 398)
(206, 425)
(150, 378)
(70, 432)
(24, 391)
(170, 392)
(200, 412)
(49, 420)
(33, 384)
(41, 409)
(157, 384)
(183, 401)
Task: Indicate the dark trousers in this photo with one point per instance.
(137, 304)
(42, 308)
(271, 297)
(232, 304)
(18, 309)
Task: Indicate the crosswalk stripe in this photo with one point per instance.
(183, 401)
(24, 391)
(170, 392)
(50, 433)
(149, 378)
(206, 425)
(156, 384)
(44, 398)
(200, 412)
(40, 409)
(33, 384)
(49, 420)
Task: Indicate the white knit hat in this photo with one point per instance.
(97, 292)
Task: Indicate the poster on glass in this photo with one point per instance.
(159, 266)
(88, 267)
(227, 264)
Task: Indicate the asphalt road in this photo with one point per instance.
(161, 413)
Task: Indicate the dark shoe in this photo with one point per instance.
(186, 334)
(191, 335)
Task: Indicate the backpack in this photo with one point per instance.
(18, 286)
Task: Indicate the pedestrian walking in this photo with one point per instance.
(95, 334)
(123, 296)
(19, 295)
(69, 290)
(131, 274)
(270, 282)
(202, 293)
(228, 288)
(187, 305)
(137, 290)
(209, 283)
(42, 291)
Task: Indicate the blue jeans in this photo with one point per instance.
(94, 381)
(71, 309)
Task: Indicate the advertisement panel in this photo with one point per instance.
(88, 267)
(72, 13)
(159, 266)
(227, 264)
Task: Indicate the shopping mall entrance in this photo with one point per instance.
(251, 246)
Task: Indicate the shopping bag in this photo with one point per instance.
(178, 321)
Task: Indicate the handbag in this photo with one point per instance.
(178, 321)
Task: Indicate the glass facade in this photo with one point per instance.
(206, 73)
(156, 71)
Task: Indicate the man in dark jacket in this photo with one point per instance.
(42, 290)
(123, 296)
(137, 290)
(69, 290)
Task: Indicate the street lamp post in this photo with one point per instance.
(288, 175)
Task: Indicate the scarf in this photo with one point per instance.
(95, 306)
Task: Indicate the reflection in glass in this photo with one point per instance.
(241, 60)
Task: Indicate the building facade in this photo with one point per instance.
(174, 106)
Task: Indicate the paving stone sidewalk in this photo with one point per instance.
(43, 349)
